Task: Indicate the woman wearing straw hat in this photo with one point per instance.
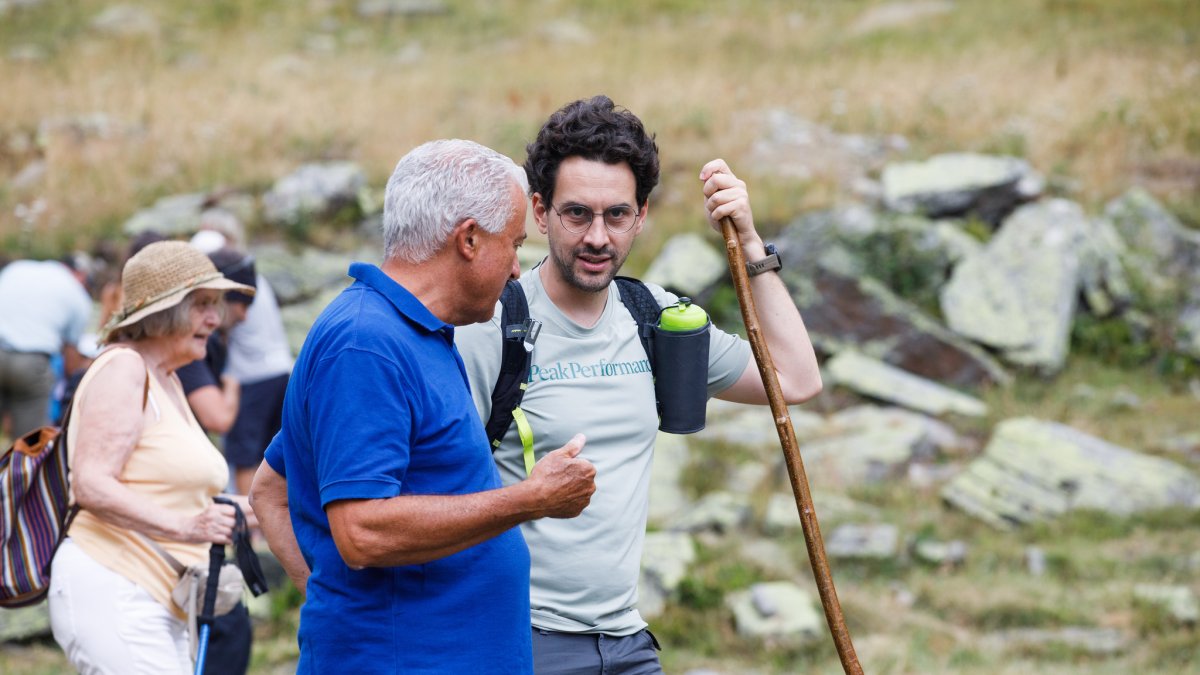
(141, 467)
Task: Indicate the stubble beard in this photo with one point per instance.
(588, 284)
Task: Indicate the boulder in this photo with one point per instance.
(845, 308)
(171, 216)
(667, 498)
(1093, 641)
(863, 542)
(719, 512)
(313, 191)
(375, 9)
(1179, 602)
(777, 610)
(687, 265)
(959, 184)
(874, 378)
(1019, 293)
(298, 275)
(1035, 470)
(125, 21)
(795, 147)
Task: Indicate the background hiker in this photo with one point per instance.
(141, 465)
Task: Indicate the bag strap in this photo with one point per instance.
(644, 309)
(518, 333)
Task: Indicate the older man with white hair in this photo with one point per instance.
(395, 504)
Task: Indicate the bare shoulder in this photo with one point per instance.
(123, 368)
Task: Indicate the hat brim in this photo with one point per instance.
(166, 302)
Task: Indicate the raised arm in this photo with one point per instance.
(784, 331)
(415, 529)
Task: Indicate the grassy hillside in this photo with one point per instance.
(1099, 95)
(228, 94)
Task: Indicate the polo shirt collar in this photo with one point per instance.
(404, 301)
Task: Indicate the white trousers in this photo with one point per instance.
(107, 624)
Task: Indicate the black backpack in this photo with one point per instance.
(518, 332)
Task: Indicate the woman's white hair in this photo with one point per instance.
(440, 184)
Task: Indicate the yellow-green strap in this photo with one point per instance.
(526, 434)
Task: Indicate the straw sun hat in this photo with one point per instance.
(161, 275)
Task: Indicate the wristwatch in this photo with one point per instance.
(771, 263)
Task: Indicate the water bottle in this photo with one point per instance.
(681, 367)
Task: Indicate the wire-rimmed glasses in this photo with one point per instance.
(577, 218)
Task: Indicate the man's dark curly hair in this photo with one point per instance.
(594, 129)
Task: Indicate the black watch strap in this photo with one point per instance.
(771, 263)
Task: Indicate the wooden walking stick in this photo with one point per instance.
(791, 453)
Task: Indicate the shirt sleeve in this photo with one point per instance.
(195, 375)
(361, 410)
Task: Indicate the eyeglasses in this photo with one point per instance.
(577, 218)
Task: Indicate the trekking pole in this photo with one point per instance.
(216, 558)
(791, 453)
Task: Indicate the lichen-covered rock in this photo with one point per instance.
(1035, 470)
(1019, 294)
(879, 380)
(957, 184)
(687, 265)
(313, 191)
(171, 216)
(863, 542)
(777, 610)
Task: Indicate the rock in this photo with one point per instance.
(863, 542)
(831, 508)
(374, 9)
(1019, 294)
(877, 379)
(719, 511)
(298, 318)
(78, 129)
(27, 54)
(898, 14)
(770, 556)
(29, 176)
(299, 276)
(753, 426)
(1150, 229)
(1035, 470)
(794, 619)
(667, 499)
(865, 454)
(24, 623)
(666, 557)
(1035, 560)
(959, 184)
(688, 265)
(1102, 277)
(313, 191)
(1094, 641)
(171, 216)
(1178, 601)
(794, 147)
(941, 553)
(844, 308)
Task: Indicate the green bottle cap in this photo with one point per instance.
(682, 316)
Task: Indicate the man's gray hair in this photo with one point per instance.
(440, 184)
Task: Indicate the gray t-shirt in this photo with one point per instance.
(596, 381)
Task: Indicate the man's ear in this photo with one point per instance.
(641, 221)
(540, 212)
(466, 238)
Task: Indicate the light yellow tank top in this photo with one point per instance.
(174, 466)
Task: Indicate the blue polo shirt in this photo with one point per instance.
(379, 406)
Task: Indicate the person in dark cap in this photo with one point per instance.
(213, 396)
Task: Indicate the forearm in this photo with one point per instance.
(276, 525)
(415, 529)
(111, 501)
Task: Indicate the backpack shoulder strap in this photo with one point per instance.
(517, 335)
(640, 302)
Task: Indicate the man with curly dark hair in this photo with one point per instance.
(591, 170)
